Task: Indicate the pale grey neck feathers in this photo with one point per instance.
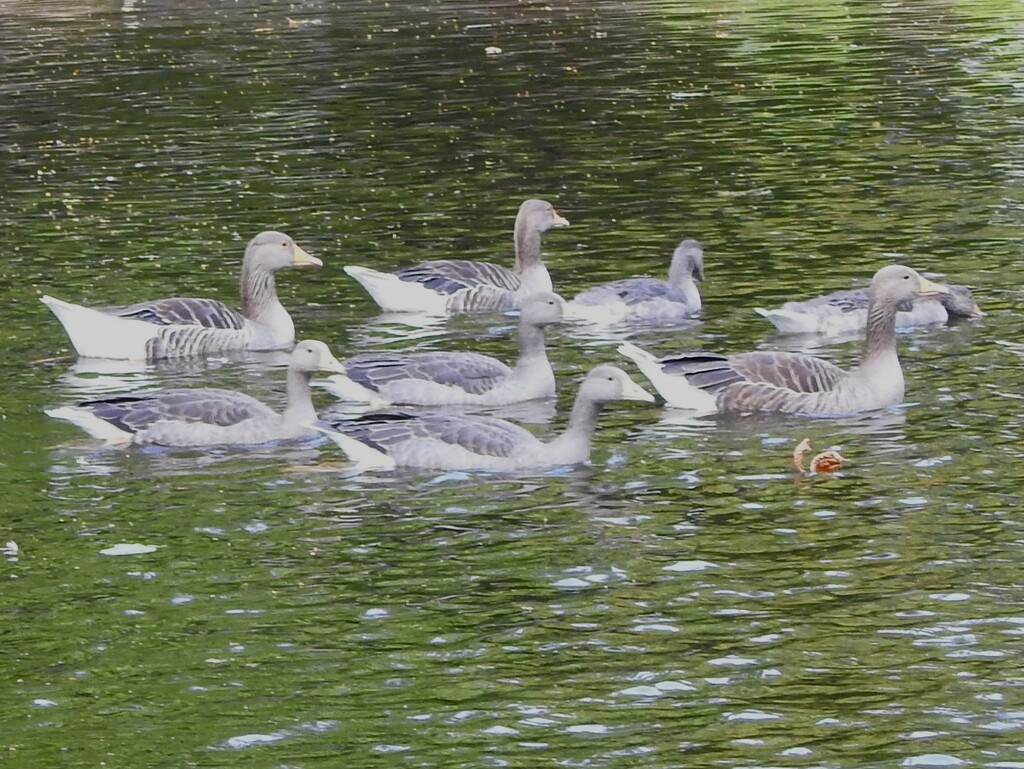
(880, 339)
(687, 264)
(531, 344)
(527, 244)
(300, 398)
(259, 290)
(583, 419)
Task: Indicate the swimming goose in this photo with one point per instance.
(204, 417)
(846, 312)
(449, 441)
(179, 326)
(441, 378)
(649, 298)
(791, 382)
(446, 286)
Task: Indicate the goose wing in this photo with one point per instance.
(848, 300)
(844, 301)
(470, 371)
(792, 371)
(789, 371)
(182, 311)
(631, 291)
(450, 276)
(478, 434)
(137, 411)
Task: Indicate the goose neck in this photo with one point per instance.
(527, 244)
(531, 345)
(259, 291)
(583, 418)
(690, 292)
(300, 397)
(880, 340)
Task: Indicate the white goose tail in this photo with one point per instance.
(789, 322)
(96, 334)
(396, 295)
(92, 424)
(674, 388)
(365, 457)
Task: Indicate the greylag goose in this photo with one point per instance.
(204, 417)
(846, 312)
(449, 442)
(442, 378)
(791, 382)
(180, 326)
(446, 286)
(649, 298)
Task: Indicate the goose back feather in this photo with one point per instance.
(471, 371)
(188, 311)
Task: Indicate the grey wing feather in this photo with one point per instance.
(481, 435)
(450, 276)
(183, 341)
(761, 396)
(708, 371)
(137, 411)
(848, 300)
(472, 372)
(792, 371)
(208, 313)
(631, 291)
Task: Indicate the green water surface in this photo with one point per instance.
(685, 599)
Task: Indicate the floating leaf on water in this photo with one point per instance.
(825, 462)
(798, 454)
(128, 548)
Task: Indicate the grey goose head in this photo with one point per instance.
(687, 262)
(274, 251)
(310, 356)
(539, 216)
(895, 284)
(543, 309)
(959, 303)
(606, 383)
